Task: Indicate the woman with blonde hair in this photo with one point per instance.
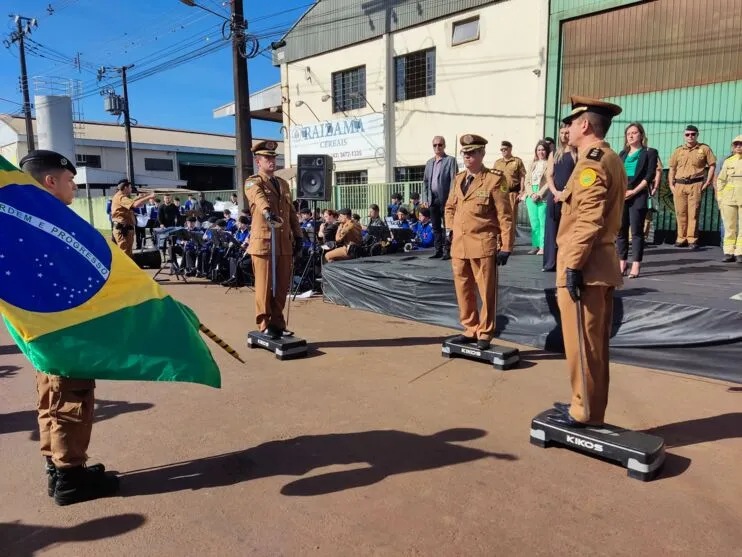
(534, 196)
(640, 163)
(559, 169)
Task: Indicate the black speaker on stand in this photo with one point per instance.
(313, 183)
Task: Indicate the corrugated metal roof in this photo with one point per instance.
(333, 24)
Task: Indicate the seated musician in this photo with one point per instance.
(403, 218)
(329, 226)
(423, 229)
(231, 223)
(240, 265)
(186, 247)
(347, 235)
(212, 257)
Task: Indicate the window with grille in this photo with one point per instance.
(161, 165)
(415, 75)
(351, 178)
(409, 173)
(349, 89)
(91, 161)
(465, 31)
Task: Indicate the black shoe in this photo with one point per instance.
(51, 472)
(287, 333)
(728, 259)
(436, 255)
(272, 332)
(562, 407)
(738, 258)
(563, 418)
(446, 257)
(463, 339)
(78, 484)
(483, 344)
(681, 244)
(548, 270)
(694, 247)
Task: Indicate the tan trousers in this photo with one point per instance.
(731, 214)
(597, 317)
(269, 309)
(687, 198)
(337, 254)
(470, 275)
(66, 408)
(124, 241)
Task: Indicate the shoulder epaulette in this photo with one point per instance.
(595, 154)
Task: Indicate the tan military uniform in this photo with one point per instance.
(729, 197)
(348, 234)
(478, 218)
(124, 221)
(262, 194)
(592, 207)
(689, 164)
(514, 171)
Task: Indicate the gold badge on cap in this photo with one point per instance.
(271, 145)
(467, 139)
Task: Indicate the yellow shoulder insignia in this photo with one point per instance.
(588, 177)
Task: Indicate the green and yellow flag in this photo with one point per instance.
(78, 307)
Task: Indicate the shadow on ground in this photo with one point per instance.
(8, 371)
(379, 454)
(702, 430)
(9, 349)
(25, 540)
(26, 420)
(380, 342)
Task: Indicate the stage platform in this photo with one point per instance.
(683, 314)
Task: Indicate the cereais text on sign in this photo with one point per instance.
(344, 139)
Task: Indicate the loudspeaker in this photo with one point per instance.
(147, 258)
(314, 177)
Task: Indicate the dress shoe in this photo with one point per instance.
(483, 344)
(563, 418)
(271, 332)
(51, 473)
(446, 257)
(738, 258)
(562, 407)
(78, 484)
(681, 244)
(694, 247)
(728, 259)
(463, 339)
(436, 255)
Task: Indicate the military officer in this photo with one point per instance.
(123, 217)
(478, 213)
(515, 173)
(65, 406)
(587, 262)
(729, 196)
(688, 164)
(349, 233)
(272, 212)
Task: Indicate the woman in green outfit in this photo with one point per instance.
(533, 195)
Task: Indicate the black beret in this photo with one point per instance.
(50, 158)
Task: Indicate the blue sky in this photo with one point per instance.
(147, 33)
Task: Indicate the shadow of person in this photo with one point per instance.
(383, 452)
(8, 371)
(702, 430)
(24, 540)
(26, 420)
(9, 349)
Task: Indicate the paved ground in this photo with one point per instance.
(373, 446)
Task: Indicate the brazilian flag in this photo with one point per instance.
(78, 306)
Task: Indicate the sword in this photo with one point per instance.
(274, 225)
(581, 345)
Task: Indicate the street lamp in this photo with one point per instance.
(327, 97)
(302, 103)
(193, 4)
(358, 94)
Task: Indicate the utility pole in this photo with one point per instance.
(243, 124)
(127, 127)
(117, 106)
(24, 26)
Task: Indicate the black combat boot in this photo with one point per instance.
(51, 472)
(78, 484)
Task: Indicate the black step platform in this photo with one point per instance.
(641, 454)
(501, 357)
(285, 348)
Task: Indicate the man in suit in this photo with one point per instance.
(478, 214)
(440, 172)
(272, 211)
(587, 261)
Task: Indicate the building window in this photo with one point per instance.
(159, 165)
(415, 75)
(351, 178)
(465, 31)
(91, 161)
(349, 89)
(409, 173)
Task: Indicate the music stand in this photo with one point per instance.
(175, 269)
(315, 253)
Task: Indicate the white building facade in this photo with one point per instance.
(446, 69)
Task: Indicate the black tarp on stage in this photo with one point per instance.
(683, 314)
